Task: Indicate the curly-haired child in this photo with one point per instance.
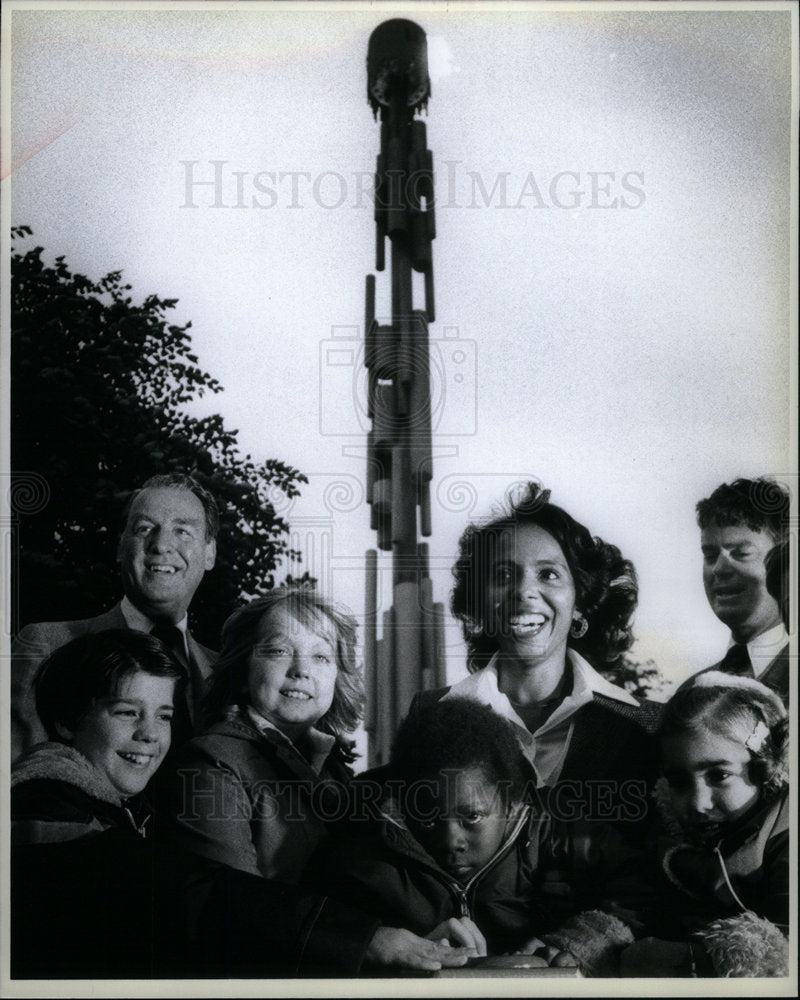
(457, 840)
(724, 858)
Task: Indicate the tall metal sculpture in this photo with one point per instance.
(409, 654)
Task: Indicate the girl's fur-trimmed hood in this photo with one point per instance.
(746, 944)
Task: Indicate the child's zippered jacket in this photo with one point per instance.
(544, 875)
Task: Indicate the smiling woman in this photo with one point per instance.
(545, 606)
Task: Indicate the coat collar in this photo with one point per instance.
(764, 648)
(484, 686)
(321, 743)
(113, 618)
(59, 762)
(698, 870)
(239, 725)
(397, 836)
(127, 615)
(140, 622)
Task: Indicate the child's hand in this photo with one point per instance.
(547, 955)
(653, 957)
(460, 932)
(393, 946)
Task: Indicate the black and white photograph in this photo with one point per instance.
(400, 498)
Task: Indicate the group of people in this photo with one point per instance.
(181, 813)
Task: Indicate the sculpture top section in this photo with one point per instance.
(397, 65)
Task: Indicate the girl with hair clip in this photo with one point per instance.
(724, 856)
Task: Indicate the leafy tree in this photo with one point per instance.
(99, 385)
(642, 679)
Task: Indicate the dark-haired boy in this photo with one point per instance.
(97, 894)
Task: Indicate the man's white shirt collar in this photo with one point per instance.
(139, 622)
(765, 647)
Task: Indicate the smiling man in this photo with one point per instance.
(167, 545)
(739, 524)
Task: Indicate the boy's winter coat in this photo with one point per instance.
(544, 874)
(82, 874)
(95, 895)
(57, 795)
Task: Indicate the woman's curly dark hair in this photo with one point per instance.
(240, 635)
(606, 589)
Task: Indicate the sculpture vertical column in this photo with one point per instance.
(409, 653)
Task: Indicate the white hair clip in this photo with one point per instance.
(755, 741)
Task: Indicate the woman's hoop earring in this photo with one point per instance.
(579, 627)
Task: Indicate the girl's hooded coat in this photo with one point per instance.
(731, 898)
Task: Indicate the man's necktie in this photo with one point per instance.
(182, 723)
(172, 637)
(737, 661)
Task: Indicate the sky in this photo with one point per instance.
(613, 261)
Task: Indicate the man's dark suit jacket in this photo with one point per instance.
(36, 642)
(776, 676)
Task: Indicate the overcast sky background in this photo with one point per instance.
(629, 357)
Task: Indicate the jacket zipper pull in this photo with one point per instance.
(141, 830)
